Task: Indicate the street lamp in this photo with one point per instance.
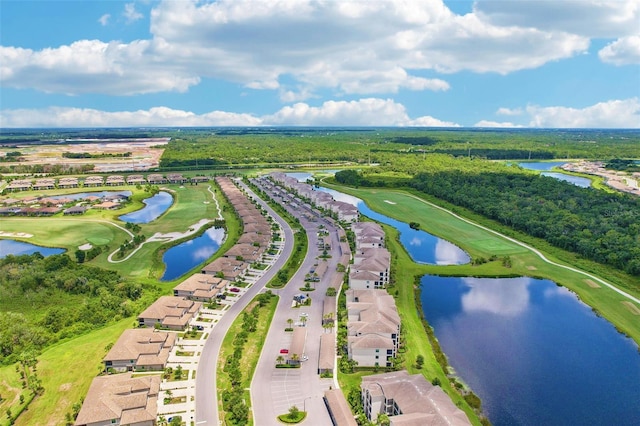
(304, 403)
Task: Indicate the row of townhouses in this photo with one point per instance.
(344, 211)
(125, 399)
(95, 181)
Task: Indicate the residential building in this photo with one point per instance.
(373, 327)
(140, 349)
(173, 313)
(120, 399)
(201, 287)
(408, 400)
(338, 408)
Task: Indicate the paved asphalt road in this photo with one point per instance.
(274, 391)
(206, 402)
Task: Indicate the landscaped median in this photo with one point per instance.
(236, 363)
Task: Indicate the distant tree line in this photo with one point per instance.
(99, 155)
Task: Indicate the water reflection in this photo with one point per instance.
(18, 248)
(422, 246)
(533, 352)
(546, 167)
(500, 297)
(541, 165)
(99, 194)
(154, 208)
(185, 256)
(576, 180)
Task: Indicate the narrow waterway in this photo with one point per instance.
(421, 246)
(183, 257)
(17, 248)
(546, 167)
(154, 207)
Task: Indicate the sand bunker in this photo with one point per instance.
(389, 202)
(631, 307)
(85, 247)
(15, 234)
(592, 284)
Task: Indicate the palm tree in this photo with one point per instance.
(280, 359)
(290, 322)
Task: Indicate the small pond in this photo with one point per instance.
(576, 180)
(422, 246)
(541, 165)
(18, 248)
(533, 352)
(181, 258)
(100, 194)
(153, 209)
(303, 176)
(546, 167)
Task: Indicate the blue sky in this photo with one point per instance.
(515, 63)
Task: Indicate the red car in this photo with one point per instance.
(234, 290)
(284, 351)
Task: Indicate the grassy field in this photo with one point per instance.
(191, 204)
(479, 242)
(66, 371)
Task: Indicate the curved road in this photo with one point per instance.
(206, 392)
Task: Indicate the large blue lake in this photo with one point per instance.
(153, 209)
(18, 248)
(181, 258)
(422, 246)
(533, 352)
(545, 168)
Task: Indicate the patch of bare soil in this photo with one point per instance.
(64, 387)
(592, 284)
(631, 307)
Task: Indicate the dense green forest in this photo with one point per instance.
(600, 226)
(286, 146)
(47, 299)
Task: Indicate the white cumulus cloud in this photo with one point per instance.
(104, 19)
(93, 66)
(131, 14)
(350, 47)
(610, 114)
(624, 51)
(489, 123)
(363, 112)
(589, 18)
(509, 111)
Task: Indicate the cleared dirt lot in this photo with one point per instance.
(145, 153)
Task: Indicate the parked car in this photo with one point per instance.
(284, 351)
(234, 290)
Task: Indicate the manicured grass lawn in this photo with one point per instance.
(66, 232)
(480, 242)
(66, 371)
(191, 204)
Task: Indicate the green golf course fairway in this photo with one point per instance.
(479, 242)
